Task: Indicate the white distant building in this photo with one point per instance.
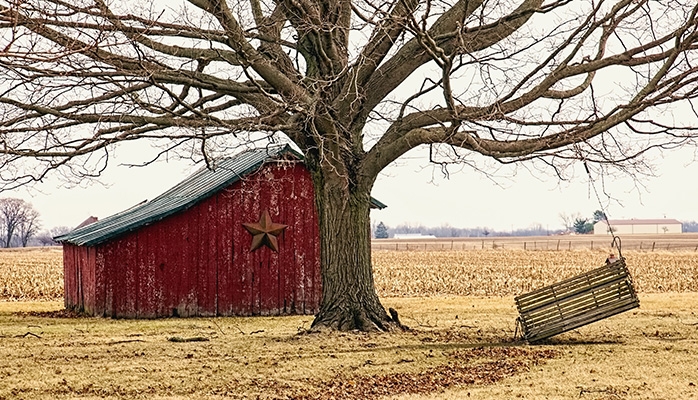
(638, 226)
(412, 236)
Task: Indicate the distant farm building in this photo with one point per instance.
(241, 239)
(409, 236)
(638, 226)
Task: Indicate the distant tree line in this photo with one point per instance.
(381, 231)
(573, 224)
(690, 226)
(20, 225)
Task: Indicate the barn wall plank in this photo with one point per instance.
(100, 281)
(110, 275)
(69, 266)
(89, 279)
(145, 266)
(228, 291)
(205, 261)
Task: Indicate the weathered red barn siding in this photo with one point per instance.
(198, 261)
(79, 277)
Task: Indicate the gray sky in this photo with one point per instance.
(469, 199)
(415, 193)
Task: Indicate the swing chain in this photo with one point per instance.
(615, 242)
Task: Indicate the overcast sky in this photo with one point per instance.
(415, 193)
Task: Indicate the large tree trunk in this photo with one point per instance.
(349, 298)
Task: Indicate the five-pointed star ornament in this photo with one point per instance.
(264, 232)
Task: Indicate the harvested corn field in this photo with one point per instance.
(38, 274)
(512, 272)
(35, 274)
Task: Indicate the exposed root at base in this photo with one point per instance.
(358, 320)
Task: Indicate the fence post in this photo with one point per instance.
(653, 243)
(525, 246)
(592, 245)
(558, 245)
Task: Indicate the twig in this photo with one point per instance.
(583, 390)
(218, 326)
(259, 331)
(126, 341)
(238, 328)
(178, 339)
(29, 334)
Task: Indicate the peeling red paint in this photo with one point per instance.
(197, 262)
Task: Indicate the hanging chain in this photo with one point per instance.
(615, 241)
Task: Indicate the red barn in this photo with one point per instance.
(240, 239)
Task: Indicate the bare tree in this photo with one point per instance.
(568, 220)
(28, 226)
(355, 84)
(19, 220)
(45, 238)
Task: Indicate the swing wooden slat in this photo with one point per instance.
(577, 301)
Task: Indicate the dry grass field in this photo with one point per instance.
(459, 305)
(459, 347)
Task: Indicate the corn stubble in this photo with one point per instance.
(38, 274)
(512, 272)
(31, 275)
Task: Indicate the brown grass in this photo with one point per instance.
(458, 346)
(460, 308)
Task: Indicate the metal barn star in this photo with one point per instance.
(264, 232)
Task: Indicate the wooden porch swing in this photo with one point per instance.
(577, 301)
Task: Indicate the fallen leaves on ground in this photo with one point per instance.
(477, 366)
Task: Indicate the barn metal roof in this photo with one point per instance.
(202, 184)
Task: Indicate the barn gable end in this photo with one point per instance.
(186, 253)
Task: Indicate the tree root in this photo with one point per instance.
(358, 320)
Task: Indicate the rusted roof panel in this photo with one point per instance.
(190, 191)
(193, 189)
